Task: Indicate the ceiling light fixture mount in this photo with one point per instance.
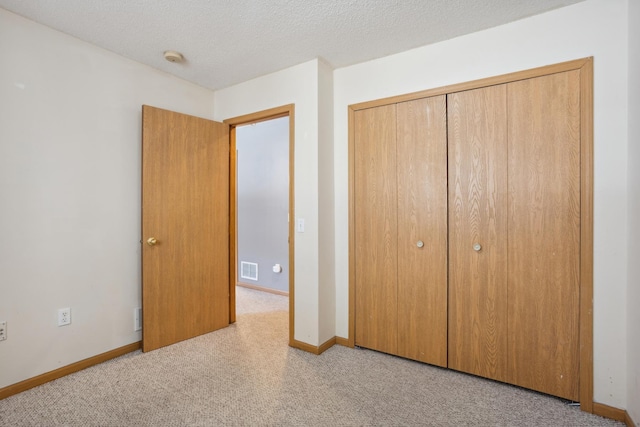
(173, 56)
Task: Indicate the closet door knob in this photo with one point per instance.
(420, 244)
(477, 247)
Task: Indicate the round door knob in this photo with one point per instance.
(420, 244)
(151, 241)
(477, 247)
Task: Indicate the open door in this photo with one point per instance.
(185, 227)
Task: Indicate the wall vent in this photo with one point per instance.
(249, 270)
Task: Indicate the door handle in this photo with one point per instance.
(477, 247)
(151, 241)
(420, 244)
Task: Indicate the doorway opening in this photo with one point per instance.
(262, 205)
(261, 196)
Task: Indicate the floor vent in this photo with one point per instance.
(249, 270)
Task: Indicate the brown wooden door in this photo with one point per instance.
(519, 186)
(544, 233)
(422, 229)
(400, 200)
(514, 189)
(185, 207)
(478, 216)
(376, 226)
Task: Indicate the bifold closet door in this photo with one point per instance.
(401, 229)
(422, 229)
(376, 227)
(514, 221)
(478, 231)
(467, 216)
(544, 233)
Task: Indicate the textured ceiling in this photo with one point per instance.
(229, 41)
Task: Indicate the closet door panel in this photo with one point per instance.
(376, 228)
(422, 230)
(544, 233)
(477, 121)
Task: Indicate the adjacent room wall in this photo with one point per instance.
(70, 192)
(633, 297)
(592, 28)
(263, 201)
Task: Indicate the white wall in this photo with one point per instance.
(70, 193)
(633, 298)
(327, 284)
(296, 85)
(593, 28)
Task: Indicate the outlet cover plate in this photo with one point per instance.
(64, 316)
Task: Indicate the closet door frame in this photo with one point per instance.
(585, 66)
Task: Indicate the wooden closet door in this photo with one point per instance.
(422, 217)
(477, 122)
(376, 227)
(544, 233)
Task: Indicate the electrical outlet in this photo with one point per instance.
(3, 330)
(137, 319)
(64, 316)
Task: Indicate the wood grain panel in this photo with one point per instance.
(376, 227)
(585, 68)
(586, 236)
(422, 216)
(352, 229)
(478, 214)
(575, 64)
(544, 233)
(185, 206)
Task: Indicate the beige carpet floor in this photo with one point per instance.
(246, 375)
